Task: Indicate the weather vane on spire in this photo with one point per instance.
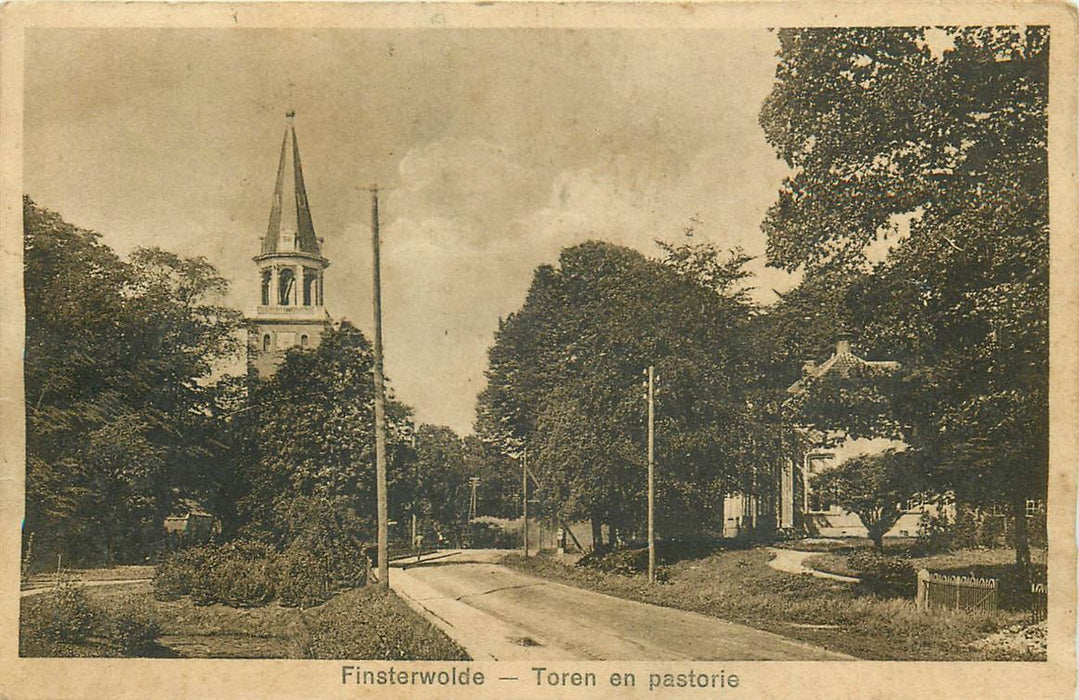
(290, 114)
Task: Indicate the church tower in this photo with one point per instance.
(290, 312)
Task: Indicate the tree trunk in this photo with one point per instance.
(597, 534)
(1022, 538)
(876, 533)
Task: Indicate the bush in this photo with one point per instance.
(130, 629)
(626, 562)
(63, 623)
(634, 559)
(203, 587)
(242, 574)
(61, 615)
(884, 575)
(494, 533)
(302, 579)
(935, 533)
(327, 531)
(176, 576)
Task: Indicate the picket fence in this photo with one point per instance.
(941, 591)
(1039, 606)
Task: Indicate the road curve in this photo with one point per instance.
(498, 613)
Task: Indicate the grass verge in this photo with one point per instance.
(363, 623)
(739, 586)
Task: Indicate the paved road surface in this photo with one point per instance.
(501, 614)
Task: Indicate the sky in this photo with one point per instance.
(493, 148)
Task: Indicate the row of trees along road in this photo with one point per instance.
(917, 212)
(128, 420)
(565, 382)
(119, 425)
(933, 141)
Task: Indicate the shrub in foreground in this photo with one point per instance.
(64, 623)
(248, 573)
(885, 575)
(243, 574)
(303, 579)
(240, 574)
(327, 530)
(60, 615)
(179, 572)
(129, 629)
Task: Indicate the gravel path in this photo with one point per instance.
(791, 561)
(118, 582)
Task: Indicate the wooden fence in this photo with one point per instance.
(940, 591)
(1039, 605)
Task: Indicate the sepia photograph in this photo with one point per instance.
(583, 342)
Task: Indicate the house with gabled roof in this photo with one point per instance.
(785, 503)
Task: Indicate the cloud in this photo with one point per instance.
(632, 203)
(476, 184)
(454, 261)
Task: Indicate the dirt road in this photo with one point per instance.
(501, 614)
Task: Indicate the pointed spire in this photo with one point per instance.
(291, 229)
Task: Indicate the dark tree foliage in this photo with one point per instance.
(802, 325)
(942, 133)
(118, 409)
(308, 433)
(442, 488)
(498, 493)
(566, 382)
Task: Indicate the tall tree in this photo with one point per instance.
(308, 433)
(565, 381)
(118, 403)
(932, 143)
(441, 480)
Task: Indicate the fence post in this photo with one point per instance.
(922, 597)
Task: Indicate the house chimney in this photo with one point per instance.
(842, 344)
(808, 366)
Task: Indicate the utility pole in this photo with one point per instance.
(380, 408)
(474, 481)
(651, 474)
(524, 494)
(415, 491)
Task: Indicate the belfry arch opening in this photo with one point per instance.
(286, 283)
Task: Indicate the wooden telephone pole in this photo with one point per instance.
(380, 408)
(651, 474)
(524, 493)
(473, 481)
